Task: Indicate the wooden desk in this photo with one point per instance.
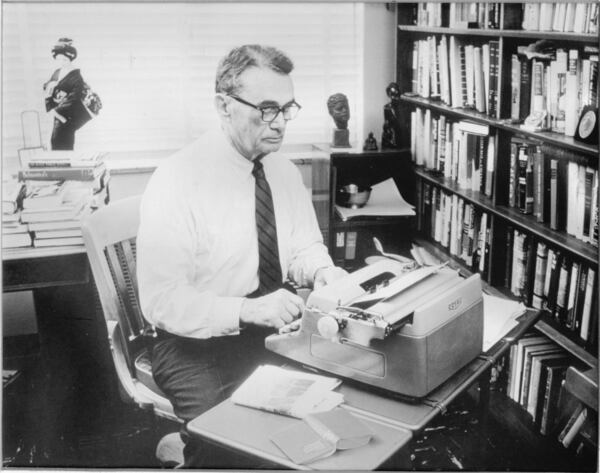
(74, 381)
(247, 430)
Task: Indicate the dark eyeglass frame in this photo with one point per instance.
(264, 109)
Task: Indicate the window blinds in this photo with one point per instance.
(153, 64)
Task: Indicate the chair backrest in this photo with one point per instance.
(110, 239)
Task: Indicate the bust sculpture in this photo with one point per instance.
(390, 138)
(338, 108)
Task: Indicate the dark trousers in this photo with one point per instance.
(63, 135)
(198, 374)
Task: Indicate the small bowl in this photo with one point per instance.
(353, 196)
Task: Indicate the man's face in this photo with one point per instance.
(250, 134)
(340, 111)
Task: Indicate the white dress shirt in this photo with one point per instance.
(197, 250)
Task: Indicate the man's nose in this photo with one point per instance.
(278, 123)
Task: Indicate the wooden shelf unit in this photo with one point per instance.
(502, 216)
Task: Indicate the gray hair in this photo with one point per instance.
(241, 58)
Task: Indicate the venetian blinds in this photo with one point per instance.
(153, 64)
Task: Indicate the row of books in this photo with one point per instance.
(14, 233)
(555, 187)
(458, 226)
(576, 17)
(547, 278)
(462, 15)
(58, 188)
(458, 73)
(461, 151)
(536, 370)
(553, 85)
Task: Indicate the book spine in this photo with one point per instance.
(572, 110)
(515, 85)
(43, 174)
(562, 291)
(492, 105)
(522, 180)
(587, 305)
(572, 294)
(538, 184)
(514, 166)
(540, 273)
(525, 96)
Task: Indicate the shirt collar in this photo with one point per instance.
(231, 155)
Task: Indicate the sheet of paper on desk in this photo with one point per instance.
(385, 201)
(288, 392)
(499, 317)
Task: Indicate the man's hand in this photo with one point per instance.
(273, 310)
(327, 275)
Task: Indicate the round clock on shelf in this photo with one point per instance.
(587, 128)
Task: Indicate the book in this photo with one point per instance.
(66, 241)
(560, 310)
(572, 295)
(340, 428)
(64, 212)
(62, 173)
(16, 240)
(13, 192)
(67, 158)
(537, 360)
(554, 375)
(587, 305)
(287, 392)
(541, 261)
(519, 362)
(575, 422)
(44, 194)
(528, 352)
(66, 233)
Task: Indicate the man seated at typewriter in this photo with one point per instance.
(223, 224)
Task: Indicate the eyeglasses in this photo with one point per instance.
(270, 112)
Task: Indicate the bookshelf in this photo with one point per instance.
(475, 72)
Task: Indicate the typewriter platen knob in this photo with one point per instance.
(328, 327)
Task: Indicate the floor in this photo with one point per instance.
(124, 436)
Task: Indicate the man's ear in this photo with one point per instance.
(222, 105)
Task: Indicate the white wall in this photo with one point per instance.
(379, 64)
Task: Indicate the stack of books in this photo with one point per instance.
(14, 233)
(61, 188)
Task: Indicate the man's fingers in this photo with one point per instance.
(287, 316)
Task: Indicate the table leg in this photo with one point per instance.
(76, 384)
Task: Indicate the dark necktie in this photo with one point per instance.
(269, 268)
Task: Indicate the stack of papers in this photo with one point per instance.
(385, 201)
(292, 393)
(499, 318)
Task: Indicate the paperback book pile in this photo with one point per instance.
(14, 233)
(60, 188)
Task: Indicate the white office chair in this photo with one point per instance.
(110, 239)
